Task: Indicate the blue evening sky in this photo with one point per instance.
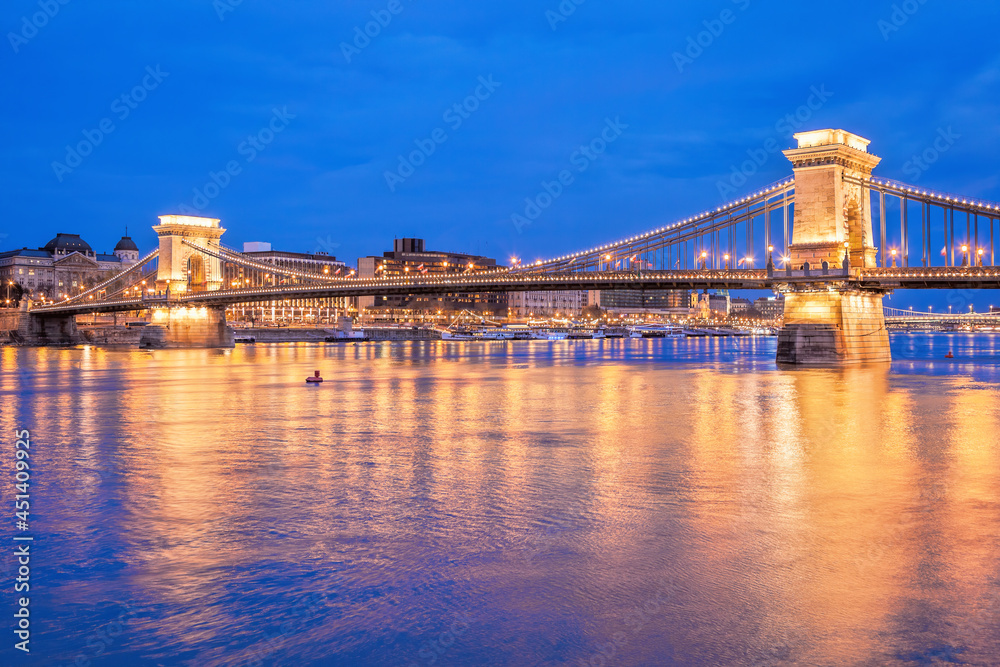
(896, 73)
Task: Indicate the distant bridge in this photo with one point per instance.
(895, 317)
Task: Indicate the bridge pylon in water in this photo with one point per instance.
(183, 269)
(832, 323)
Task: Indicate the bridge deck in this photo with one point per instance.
(520, 281)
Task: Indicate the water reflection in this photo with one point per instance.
(636, 502)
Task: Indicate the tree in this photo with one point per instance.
(593, 312)
(13, 293)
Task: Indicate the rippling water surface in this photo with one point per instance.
(584, 503)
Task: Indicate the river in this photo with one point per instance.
(616, 502)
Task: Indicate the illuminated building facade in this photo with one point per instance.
(65, 265)
(287, 311)
(719, 303)
(319, 263)
(633, 301)
(739, 305)
(410, 257)
(770, 308)
(545, 304)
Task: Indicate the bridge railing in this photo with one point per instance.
(685, 240)
(904, 314)
(929, 194)
(716, 237)
(927, 218)
(241, 258)
(229, 255)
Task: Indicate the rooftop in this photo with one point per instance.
(67, 243)
(830, 138)
(127, 244)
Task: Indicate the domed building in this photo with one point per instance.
(127, 251)
(67, 244)
(65, 265)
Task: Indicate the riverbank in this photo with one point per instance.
(290, 335)
(129, 336)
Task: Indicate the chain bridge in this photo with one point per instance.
(833, 238)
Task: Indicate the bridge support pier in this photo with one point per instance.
(27, 328)
(49, 330)
(833, 327)
(187, 328)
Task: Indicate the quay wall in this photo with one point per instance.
(288, 335)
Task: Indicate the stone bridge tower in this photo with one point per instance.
(832, 322)
(181, 268)
(829, 211)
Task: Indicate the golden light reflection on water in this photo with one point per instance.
(835, 516)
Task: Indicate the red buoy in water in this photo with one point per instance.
(315, 378)
(949, 355)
